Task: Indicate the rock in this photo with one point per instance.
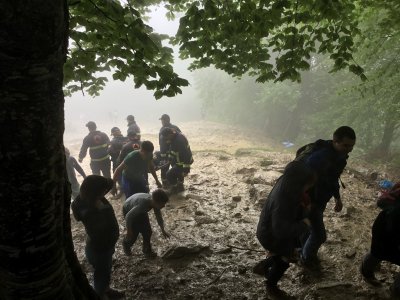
(232, 205)
(236, 198)
(351, 253)
(349, 211)
(193, 196)
(266, 163)
(199, 212)
(201, 220)
(241, 270)
(174, 252)
(246, 171)
(224, 250)
(246, 208)
(237, 215)
(223, 157)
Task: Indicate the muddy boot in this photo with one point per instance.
(310, 264)
(126, 246)
(262, 267)
(148, 252)
(180, 187)
(367, 269)
(277, 269)
(275, 293)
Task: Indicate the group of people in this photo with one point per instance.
(291, 225)
(132, 160)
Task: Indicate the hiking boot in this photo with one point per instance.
(126, 247)
(150, 254)
(310, 264)
(369, 277)
(115, 294)
(275, 293)
(262, 267)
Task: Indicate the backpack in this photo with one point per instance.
(305, 151)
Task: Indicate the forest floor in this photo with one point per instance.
(217, 217)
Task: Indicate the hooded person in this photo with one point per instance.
(283, 221)
(102, 231)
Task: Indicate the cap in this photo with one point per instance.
(114, 130)
(91, 124)
(164, 117)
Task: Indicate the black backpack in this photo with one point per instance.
(305, 151)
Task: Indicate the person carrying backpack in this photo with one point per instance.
(328, 159)
(385, 242)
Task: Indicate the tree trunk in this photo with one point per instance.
(37, 260)
(387, 138)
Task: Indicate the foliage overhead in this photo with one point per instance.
(269, 39)
(109, 35)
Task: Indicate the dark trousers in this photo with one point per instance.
(274, 269)
(139, 225)
(174, 175)
(164, 171)
(103, 166)
(317, 234)
(134, 186)
(101, 260)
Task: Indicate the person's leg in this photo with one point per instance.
(164, 171)
(139, 185)
(369, 265)
(106, 168)
(94, 165)
(145, 230)
(126, 187)
(172, 175)
(276, 270)
(130, 239)
(102, 264)
(316, 237)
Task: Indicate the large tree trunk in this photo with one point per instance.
(37, 260)
(383, 148)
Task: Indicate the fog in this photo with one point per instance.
(120, 99)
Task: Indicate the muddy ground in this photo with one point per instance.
(230, 178)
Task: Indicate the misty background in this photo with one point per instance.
(119, 99)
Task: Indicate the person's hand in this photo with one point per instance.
(80, 160)
(338, 205)
(114, 190)
(165, 234)
(159, 184)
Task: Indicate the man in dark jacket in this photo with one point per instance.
(180, 158)
(97, 215)
(283, 221)
(132, 126)
(97, 142)
(328, 161)
(133, 144)
(116, 144)
(164, 147)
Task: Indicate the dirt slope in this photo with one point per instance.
(232, 174)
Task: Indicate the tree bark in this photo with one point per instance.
(37, 260)
(387, 138)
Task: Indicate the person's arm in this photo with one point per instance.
(160, 222)
(83, 152)
(116, 177)
(78, 167)
(153, 172)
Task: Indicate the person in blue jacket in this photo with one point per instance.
(328, 161)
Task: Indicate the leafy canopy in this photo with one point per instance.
(269, 39)
(110, 36)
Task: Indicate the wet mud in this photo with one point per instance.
(213, 246)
